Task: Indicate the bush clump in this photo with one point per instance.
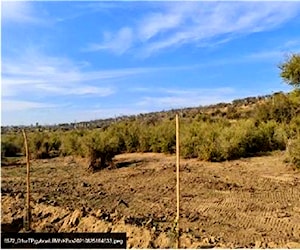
(222, 141)
(11, 145)
(9, 149)
(218, 136)
(293, 152)
(100, 148)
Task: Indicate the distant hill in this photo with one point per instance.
(238, 108)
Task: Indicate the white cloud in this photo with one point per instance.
(265, 55)
(42, 75)
(199, 23)
(16, 105)
(156, 23)
(37, 74)
(88, 90)
(187, 91)
(273, 54)
(26, 113)
(19, 12)
(115, 112)
(213, 22)
(181, 98)
(117, 43)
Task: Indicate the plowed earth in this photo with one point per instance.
(253, 202)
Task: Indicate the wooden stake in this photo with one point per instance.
(27, 219)
(177, 174)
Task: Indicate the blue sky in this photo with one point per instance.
(79, 61)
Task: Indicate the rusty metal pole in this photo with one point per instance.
(27, 219)
(177, 175)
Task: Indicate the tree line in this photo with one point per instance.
(224, 133)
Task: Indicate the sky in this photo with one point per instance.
(78, 61)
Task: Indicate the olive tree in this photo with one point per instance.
(290, 70)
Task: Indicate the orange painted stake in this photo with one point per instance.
(28, 212)
(177, 175)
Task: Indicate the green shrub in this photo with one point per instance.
(208, 148)
(71, 144)
(12, 145)
(189, 140)
(280, 108)
(162, 137)
(247, 132)
(232, 113)
(9, 149)
(294, 127)
(260, 138)
(39, 146)
(100, 148)
(201, 140)
(293, 152)
(224, 141)
(144, 139)
(131, 137)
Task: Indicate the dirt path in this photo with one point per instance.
(245, 203)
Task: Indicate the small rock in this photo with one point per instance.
(206, 240)
(221, 245)
(106, 217)
(272, 245)
(84, 184)
(83, 211)
(53, 203)
(257, 244)
(264, 245)
(148, 222)
(250, 245)
(46, 215)
(39, 214)
(74, 220)
(194, 217)
(212, 240)
(42, 199)
(206, 246)
(55, 220)
(123, 202)
(293, 244)
(20, 196)
(98, 213)
(164, 219)
(283, 215)
(197, 236)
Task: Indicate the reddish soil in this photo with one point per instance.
(253, 203)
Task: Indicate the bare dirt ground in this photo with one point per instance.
(252, 203)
